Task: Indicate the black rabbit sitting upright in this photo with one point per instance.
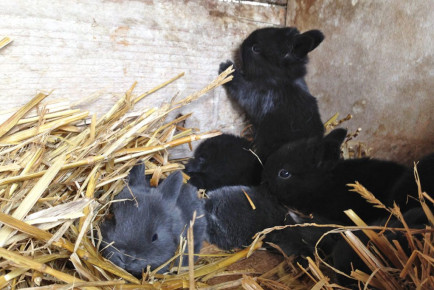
(223, 160)
(268, 84)
(146, 226)
(309, 176)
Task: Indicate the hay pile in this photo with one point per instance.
(60, 168)
(391, 267)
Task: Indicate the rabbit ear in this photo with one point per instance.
(306, 42)
(137, 176)
(336, 136)
(171, 186)
(330, 147)
(317, 37)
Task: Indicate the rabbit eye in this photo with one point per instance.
(154, 237)
(256, 49)
(283, 173)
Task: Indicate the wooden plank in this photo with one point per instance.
(87, 46)
(272, 2)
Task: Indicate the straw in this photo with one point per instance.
(5, 41)
(61, 168)
(52, 166)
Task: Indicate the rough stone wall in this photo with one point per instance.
(376, 63)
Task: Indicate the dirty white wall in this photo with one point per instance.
(376, 62)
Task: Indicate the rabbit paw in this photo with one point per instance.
(225, 65)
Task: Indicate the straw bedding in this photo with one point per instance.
(60, 169)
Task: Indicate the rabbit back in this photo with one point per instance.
(297, 117)
(345, 259)
(408, 186)
(232, 221)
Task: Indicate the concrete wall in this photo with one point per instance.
(376, 63)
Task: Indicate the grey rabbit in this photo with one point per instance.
(146, 227)
(268, 85)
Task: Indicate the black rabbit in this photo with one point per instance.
(346, 259)
(147, 222)
(269, 86)
(300, 241)
(309, 176)
(407, 185)
(232, 221)
(223, 160)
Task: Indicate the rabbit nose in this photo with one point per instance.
(134, 266)
(134, 271)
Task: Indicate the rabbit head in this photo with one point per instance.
(223, 160)
(146, 224)
(302, 166)
(278, 52)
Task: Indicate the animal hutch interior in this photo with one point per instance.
(262, 144)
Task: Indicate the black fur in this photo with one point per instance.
(232, 222)
(309, 176)
(146, 227)
(300, 241)
(407, 185)
(269, 86)
(223, 160)
(346, 259)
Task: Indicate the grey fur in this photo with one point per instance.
(146, 227)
